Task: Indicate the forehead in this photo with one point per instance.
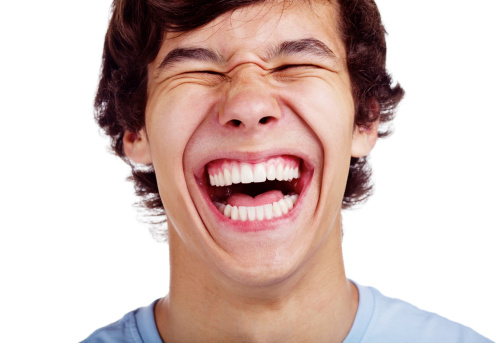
(260, 28)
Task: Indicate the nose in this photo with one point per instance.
(249, 102)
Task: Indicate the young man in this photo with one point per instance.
(246, 123)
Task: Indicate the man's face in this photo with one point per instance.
(250, 130)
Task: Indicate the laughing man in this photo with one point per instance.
(246, 123)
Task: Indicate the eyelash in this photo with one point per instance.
(290, 66)
(210, 72)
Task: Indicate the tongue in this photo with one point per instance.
(269, 197)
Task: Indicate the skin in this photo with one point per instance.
(228, 285)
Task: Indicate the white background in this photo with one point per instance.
(73, 256)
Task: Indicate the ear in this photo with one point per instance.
(137, 147)
(365, 138)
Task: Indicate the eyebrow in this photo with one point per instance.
(197, 54)
(310, 46)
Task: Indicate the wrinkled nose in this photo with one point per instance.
(249, 102)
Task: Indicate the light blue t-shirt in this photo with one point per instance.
(137, 326)
(379, 319)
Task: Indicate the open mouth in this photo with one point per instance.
(255, 191)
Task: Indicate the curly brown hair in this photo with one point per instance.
(133, 41)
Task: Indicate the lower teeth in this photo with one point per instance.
(258, 213)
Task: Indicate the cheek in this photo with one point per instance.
(170, 126)
(171, 120)
(328, 109)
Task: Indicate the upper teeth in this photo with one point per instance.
(235, 172)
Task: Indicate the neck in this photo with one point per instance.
(317, 301)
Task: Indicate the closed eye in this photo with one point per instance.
(210, 72)
(292, 66)
(203, 77)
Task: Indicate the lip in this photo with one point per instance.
(254, 157)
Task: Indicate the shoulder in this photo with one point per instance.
(392, 320)
(137, 326)
(122, 330)
(403, 320)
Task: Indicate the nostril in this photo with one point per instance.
(264, 120)
(235, 122)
